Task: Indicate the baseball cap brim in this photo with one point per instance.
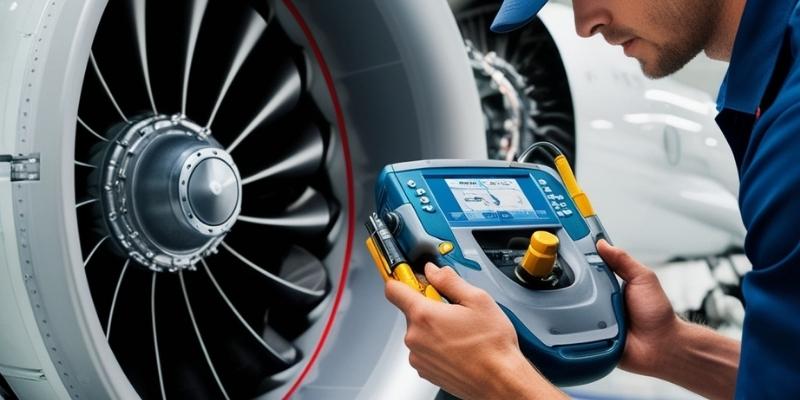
(514, 14)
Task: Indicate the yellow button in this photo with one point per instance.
(540, 258)
(445, 247)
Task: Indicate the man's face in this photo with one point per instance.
(663, 35)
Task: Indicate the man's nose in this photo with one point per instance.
(590, 17)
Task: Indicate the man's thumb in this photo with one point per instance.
(621, 262)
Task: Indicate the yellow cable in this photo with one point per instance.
(403, 273)
(377, 258)
(578, 196)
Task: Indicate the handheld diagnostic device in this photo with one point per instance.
(526, 234)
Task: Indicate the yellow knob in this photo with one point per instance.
(445, 247)
(541, 255)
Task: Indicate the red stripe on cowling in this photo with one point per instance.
(351, 206)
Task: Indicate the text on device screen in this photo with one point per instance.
(490, 200)
(493, 198)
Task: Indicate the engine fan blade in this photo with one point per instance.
(105, 86)
(308, 215)
(302, 159)
(304, 282)
(305, 270)
(280, 355)
(187, 369)
(285, 97)
(255, 28)
(280, 345)
(211, 334)
(141, 41)
(132, 339)
(200, 339)
(91, 131)
(197, 13)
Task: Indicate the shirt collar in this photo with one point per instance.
(755, 53)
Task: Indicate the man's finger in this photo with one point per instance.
(621, 262)
(402, 296)
(449, 284)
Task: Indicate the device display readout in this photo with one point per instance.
(487, 199)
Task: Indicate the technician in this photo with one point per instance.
(469, 347)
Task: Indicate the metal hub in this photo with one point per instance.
(170, 192)
(209, 191)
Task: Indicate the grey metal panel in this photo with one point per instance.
(13, 331)
(30, 389)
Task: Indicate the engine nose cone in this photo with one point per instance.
(171, 192)
(213, 191)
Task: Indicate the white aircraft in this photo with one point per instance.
(193, 174)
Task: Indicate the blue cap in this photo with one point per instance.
(514, 14)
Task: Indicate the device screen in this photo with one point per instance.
(483, 199)
(491, 200)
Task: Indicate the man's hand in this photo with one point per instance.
(468, 347)
(662, 345)
(653, 323)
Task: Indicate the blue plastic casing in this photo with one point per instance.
(572, 349)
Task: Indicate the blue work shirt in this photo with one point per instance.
(759, 106)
